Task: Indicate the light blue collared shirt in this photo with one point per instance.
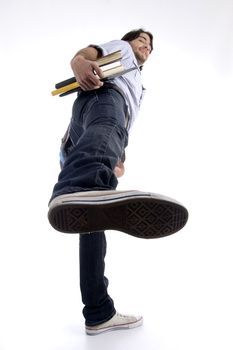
(130, 83)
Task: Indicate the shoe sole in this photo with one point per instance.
(140, 216)
(91, 331)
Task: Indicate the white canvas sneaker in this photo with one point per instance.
(140, 214)
(118, 321)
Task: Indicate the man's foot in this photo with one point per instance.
(118, 321)
(140, 214)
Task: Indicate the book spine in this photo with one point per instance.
(112, 57)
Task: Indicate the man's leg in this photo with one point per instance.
(99, 310)
(81, 202)
(98, 139)
(99, 307)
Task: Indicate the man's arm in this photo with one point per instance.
(86, 70)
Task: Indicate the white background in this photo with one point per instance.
(181, 146)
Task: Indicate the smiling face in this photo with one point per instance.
(141, 48)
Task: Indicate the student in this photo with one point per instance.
(85, 199)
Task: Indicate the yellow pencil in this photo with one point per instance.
(65, 88)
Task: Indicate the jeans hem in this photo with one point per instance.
(91, 324)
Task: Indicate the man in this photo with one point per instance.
(85, 199)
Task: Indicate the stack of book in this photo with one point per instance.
(110, 65)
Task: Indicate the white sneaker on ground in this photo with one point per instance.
(118, 321)
(140, 214)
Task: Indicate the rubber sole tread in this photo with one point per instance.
(140, 217)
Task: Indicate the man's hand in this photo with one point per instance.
(119, 169)
(87, 73)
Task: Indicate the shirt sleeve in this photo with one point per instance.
(98, 48)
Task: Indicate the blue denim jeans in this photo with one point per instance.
(94, 143)
(98, 305)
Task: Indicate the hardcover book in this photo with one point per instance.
(110, 66)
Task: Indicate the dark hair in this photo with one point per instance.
(134, 34)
